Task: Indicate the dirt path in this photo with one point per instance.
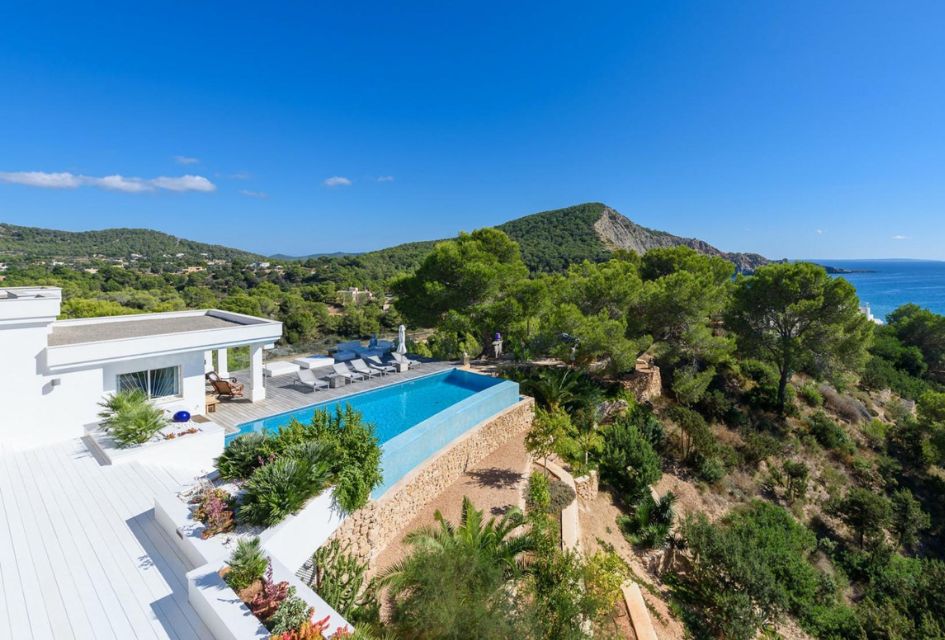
(493, 485)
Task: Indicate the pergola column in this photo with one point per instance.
(257, 391)
(223, 368)
(208, 361)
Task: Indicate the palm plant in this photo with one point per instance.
(130, 418)
(651, 521)
(454, 583)
(489, 538)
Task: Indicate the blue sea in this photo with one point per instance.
(892, 283)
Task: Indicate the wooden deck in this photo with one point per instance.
(81, 555)
(284, 393)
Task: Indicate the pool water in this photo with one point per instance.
(392, 409)
(414, 419)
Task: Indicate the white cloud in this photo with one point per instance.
(262, 195)
(820, 232)
(184, 183)
(240, 175)
(120, 183)
(42, 179)
(337, 181)
(899, 236)
(385, 178)
(116, 182)
(185, 160)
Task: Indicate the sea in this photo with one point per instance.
(885, 285)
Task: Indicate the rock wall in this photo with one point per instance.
(369, 530)
(586, 487)
(645, 382)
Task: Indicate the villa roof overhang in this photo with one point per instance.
(92, 341)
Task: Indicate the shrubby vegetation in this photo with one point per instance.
(130, 418)
(283, 470)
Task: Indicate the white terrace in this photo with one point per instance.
(81, 555)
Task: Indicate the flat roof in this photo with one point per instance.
(65, 333)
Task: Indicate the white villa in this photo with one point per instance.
(99, 540)
(55, 372)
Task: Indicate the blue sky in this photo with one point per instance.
(790, 129)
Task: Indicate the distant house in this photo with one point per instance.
(55, 372)
(354, 295)
(187, 270)
(260, 265)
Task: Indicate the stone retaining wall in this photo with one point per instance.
(370, 529)
(587, 487)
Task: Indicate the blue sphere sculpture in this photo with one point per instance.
(182, 416)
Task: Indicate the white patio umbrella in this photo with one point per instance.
(402, 340)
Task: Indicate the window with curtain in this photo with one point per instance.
(157, 383)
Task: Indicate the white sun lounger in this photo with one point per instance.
(375, 363)
(361, 367)
(307, 378)
(344, 372)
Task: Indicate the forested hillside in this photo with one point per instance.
(33, 242)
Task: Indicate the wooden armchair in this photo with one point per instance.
(226, 388)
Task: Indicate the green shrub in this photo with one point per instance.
(828, 433)
(538, 497)
(244, 455)
(281, 488)
(711, 470)
(875, 433)
(130, 418)
(758, 446)
(810, 394)
(650, 522)
(247, 564)
(290, 614)
(748, 569)
(356, 455)
(628, 462)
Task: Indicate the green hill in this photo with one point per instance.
(552, 240)
(36, 243)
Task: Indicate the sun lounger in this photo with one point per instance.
(307, 378)
(375, 363)
(361, 367)
(402, 359)
(346, 373)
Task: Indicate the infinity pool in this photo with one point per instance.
(412, 419)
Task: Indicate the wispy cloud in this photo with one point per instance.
(41, 179)
(337, 181)
(899, 236)
(184, 183)
(261, 195)
(240, 175)
(185, 160)
(385, 178)
(820, 232)
(120, 183)
(66, 180)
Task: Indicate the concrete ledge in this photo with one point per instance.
(228, 618)
(220, 608)
(295, 539)
(570, 519)
(173, 516)
(191, 454)
(639, 615)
